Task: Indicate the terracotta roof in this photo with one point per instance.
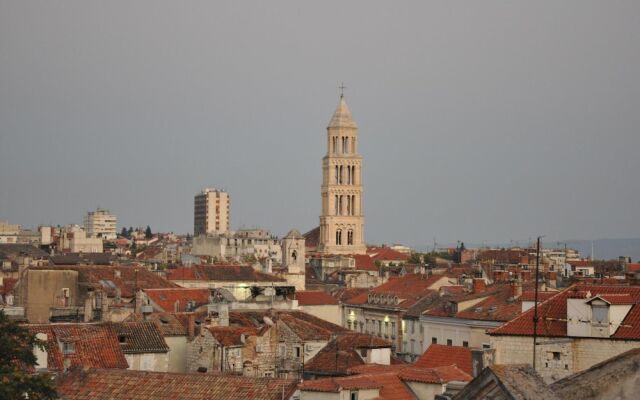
(309, 327)
(633, 267)
(409, 289)
(312, 238)
(364, 262)
(345, 294)
(327, 361)
(138, 337)
(553, 313)
(168, 323)
(108, 278)
(386, 254)
(314, 298)
(499, 306)
(224, 273)
(336, 384)
(529, 295)
(231, 335)
(125, 385)
(414, 373)
(8, 284)
(166, 298)
(438, 355)
(91, 345)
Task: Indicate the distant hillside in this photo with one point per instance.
(603, 249)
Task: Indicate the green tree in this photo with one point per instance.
(17, 363)
(124, 232)
(147, 232)
(415, 258)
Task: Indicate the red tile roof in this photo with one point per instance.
(553, 313)
(386, 254)
(166, 298)
(137, 337)
(108, 278)
(438, 355)
(529, 295)
(94, 345)
(327, 361)
(364, 262)
(314, 298)
(231, 335)
(225, 273)
(409, 289)
(125, 385)
(633, 267)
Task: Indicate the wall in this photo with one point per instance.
(158, 362)
(177, 353)
(572, 354)
(426, 390)
(329, 313)
(44, 290)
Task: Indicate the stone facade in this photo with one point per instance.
(342, 220)
(557, 358)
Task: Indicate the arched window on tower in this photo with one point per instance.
(337, 174)
(353, 205)
(346, 144)
(349, 237)
(348, 205)
(338, 236)
(340, 175)
(348, 175)
(335, 144)
(337, 206)
(294, 255)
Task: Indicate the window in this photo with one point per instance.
(350, 237)
(434, 340)
(556, 355)
(465, 344)
(353, 396)
(449, 342)
(338, 236)
(297, 351)
(600, 315)
(486, 346)
(68, 347)
(393, 330)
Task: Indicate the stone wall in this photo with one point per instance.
(557, 358)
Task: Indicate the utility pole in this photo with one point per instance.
(535, 303)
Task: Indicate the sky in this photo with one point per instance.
(490, 121)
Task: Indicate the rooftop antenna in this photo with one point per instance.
(592, 251)
(535, 302)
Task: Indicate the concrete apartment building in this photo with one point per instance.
(210, 212)
(101, 224)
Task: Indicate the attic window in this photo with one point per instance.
(68, 347)
(164, 321)
(600, 314)
(122, 339)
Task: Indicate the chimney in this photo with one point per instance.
(516, 288)
(479, 285)
(191, 325)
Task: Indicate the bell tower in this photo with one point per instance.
(341, 220)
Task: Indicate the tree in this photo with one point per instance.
(130, 231)
(17, 362)
(147, 233)
(415, 258)
(124, 233)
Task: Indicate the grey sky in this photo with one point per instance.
(480, 121)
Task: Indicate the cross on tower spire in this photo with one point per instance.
(342, 87)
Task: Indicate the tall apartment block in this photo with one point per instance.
(211, 212)
(101, 224)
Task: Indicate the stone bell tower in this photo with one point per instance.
(293, 258)
(342, 221)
